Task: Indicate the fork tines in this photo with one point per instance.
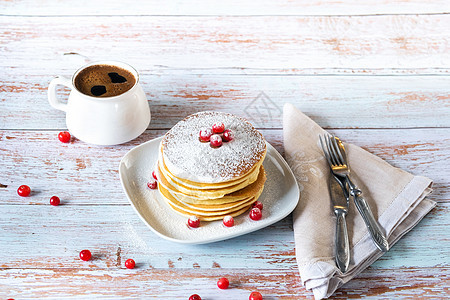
(332, 150)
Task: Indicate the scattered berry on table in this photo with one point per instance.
(130, 263)
(194, 222)
(228, 221)
(195, 297)
(154, 175)
(54, 200)
(255, 296)
(64, 136)
(228, 135)
(24, 190)
(223, 283)
(218, 127)
(85, 255)
(205, 134)
(258, 204)
(255, 214)
(152, 184)
(215, 140)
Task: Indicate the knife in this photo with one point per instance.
(340, 200)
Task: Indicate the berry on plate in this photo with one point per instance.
(152, 184)
(194, 222)
(255, 214)
(258, 204)
(228, 221)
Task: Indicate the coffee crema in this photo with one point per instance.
(104, 81)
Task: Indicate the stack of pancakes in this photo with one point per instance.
(199, 180)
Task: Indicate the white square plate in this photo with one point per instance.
(280, 197)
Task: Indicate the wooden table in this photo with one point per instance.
(377, 73)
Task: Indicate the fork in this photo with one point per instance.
(340, 167)
(338, 191)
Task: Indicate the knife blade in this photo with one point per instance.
(340, 200)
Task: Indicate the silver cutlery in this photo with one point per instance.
(340, 201)
(340, 167)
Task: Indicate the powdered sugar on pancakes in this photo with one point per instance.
(189, 158)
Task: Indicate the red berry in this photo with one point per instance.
(216, 140)
(85, 255)
(255, 214)
(255, 296)
(258, 204)
(55, 201)
(24, 190)
(64, 136)
(223, 283)
(228, 135)
(228, 221)
(195, 297)
(129, 263)
(194, 222)
(218, 127)
(152, 184)
(205, 134)
(154, 175)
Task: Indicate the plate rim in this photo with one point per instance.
(273, 152)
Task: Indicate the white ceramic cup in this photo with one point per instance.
(103, 120)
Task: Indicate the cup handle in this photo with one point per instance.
(54, 102)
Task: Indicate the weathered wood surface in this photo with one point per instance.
(75, 171)
(233, 7)
(414, 283)
(252, 44)
(375, 73)
(332, 101)
(114, 233)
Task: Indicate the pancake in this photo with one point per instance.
(211, 218)
(197, 179)
(188, 158)
(204, 194)
(244, 193)
(216, 207)
(249, 177)
(202, 212)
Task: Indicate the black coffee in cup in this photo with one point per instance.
(104, 81)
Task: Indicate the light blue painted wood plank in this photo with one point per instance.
(75, 171)
(281, 44)
(179, 284)
(331, 101)
(44, 236)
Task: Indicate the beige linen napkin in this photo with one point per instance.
(396, 197)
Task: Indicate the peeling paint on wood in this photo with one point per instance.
(372, 101)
